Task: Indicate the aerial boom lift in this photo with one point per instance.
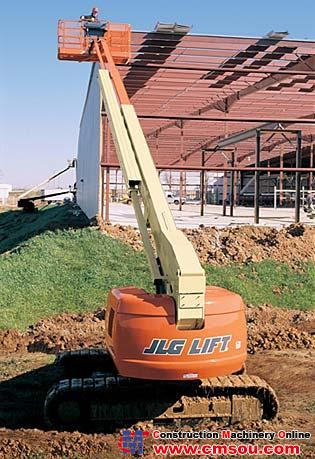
(27, 202)
(185, 346)
(176, 270)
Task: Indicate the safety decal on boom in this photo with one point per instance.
(198, 346)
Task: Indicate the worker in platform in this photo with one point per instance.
(93, 27)
(91, 17)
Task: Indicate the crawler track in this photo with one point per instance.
(105, 398)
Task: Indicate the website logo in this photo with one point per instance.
(131, 442)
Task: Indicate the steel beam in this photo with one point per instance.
(223, 168)
(307, 119)
(216, 69)
(235, 138)
(225, 103)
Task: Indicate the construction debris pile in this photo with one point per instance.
(57, 333)
(276, 328)
(291, 244)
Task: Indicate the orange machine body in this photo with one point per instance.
(144, 342)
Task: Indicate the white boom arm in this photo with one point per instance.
(175, 267)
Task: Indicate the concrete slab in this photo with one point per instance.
(189, 217)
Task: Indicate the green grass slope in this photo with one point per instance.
(268, 282)
(73, 269)
(69, 270)
(17, 226)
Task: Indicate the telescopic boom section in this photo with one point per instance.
(174, 264)
(176, 270)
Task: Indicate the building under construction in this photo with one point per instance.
(229, 120)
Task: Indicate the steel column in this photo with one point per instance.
(232, 184)
(202, 185)
(257, 178)
(107, 194)
(181, 156)
(102, 193)
(312, 154)
(298, 176)
(281, 176)
(107, 152)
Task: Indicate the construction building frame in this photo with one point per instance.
(207, 104)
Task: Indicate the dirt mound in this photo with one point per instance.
(292, 244)
(268, 328)
(276, 328)
(13, 341)
(57, 333)
(127, 234)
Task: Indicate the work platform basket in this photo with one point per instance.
(75, 40)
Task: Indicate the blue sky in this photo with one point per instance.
(41, 98)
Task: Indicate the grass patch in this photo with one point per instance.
(268, 282)
(69, 270)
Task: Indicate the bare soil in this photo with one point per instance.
(282, 351)
(22, 433)
(292, 244)
(57, 333)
